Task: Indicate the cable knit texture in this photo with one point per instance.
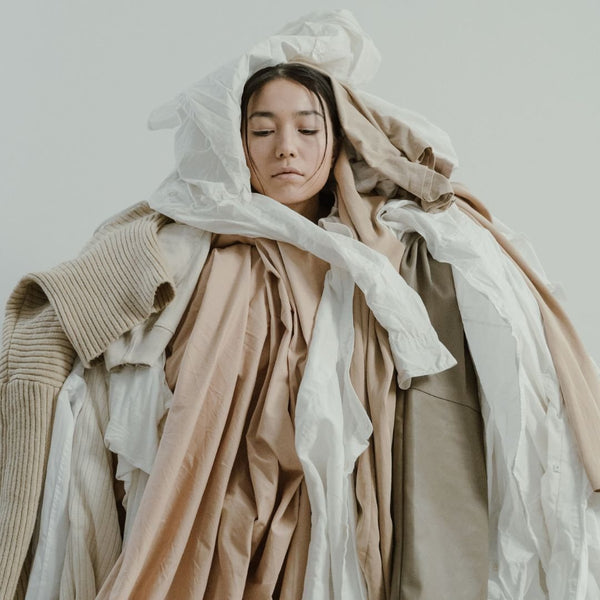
(79, 307)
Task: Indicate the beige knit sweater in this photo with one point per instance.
(77, 308)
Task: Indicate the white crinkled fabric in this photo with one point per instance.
(208, 149)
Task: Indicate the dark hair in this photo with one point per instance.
(311, 79)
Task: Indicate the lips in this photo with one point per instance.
(287, 171)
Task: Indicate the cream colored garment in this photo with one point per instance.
(94, 539)
(44, 580)
(394, 152)
(332, 430)
(80, 538)
(183, 250)
(138, 402)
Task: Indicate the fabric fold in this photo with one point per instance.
(235, 510)
(75, 309)
(578, 376)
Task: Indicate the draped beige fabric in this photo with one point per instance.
(225, 513)
(77, 307)
(396, 152)
(374, 378)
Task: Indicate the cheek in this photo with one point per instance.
(249, 151)
(255, 156)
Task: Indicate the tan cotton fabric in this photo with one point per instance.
(577, 375)
(374, 379)
(394, 151)
(225, 513)
(439, 478)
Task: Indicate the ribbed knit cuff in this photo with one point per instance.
(118, 282)
(25, 421)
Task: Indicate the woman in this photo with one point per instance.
(290, 134)
(290, 461)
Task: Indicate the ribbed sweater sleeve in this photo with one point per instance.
(78, 308)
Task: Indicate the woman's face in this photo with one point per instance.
(287, 151)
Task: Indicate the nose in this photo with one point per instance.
(285, 146)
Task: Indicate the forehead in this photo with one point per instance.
(283, 95)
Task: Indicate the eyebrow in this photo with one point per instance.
(298, 113)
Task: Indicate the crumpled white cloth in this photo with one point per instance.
(332, 430)
(414, 343)
(210, 189)
(544, 516)
(139, 399)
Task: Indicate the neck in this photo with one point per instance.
(309, 208)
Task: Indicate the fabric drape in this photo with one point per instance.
(225, 512)
(439, 480)
(578, 376)
(77, 307)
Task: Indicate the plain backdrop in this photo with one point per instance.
(516, 84)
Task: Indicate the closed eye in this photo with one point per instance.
(308, 131)
(262, 132)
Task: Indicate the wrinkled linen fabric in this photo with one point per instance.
(414, 343)
(544, 517)
(373, 487)
(577, 373)
(332, 431)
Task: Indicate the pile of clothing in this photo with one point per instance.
(221, 399)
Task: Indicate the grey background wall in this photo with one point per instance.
(516, 85)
